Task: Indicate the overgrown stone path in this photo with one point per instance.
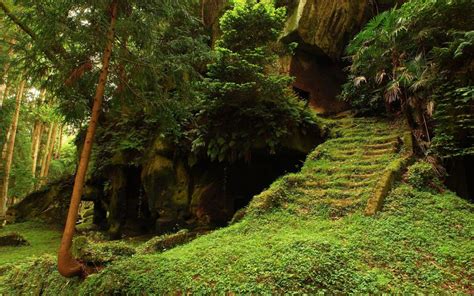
(342, 174)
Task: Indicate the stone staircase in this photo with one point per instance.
(342, 175)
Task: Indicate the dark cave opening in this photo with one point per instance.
(244, 180)
(302, 94)
(459, 171)
(127, 208)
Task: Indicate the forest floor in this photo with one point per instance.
(42, 238)
(308, 233)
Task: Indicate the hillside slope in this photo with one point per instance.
(307, 233)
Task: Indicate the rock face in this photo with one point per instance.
(49, 204)
(324, 27)
(166, 185)
(165, 193)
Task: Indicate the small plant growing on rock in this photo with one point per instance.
(421, 175)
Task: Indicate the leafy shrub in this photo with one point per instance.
(421, 175)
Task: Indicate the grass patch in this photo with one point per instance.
(43, 239)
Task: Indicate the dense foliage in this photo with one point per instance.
(247, 105)
(420, 58)
(158, 97)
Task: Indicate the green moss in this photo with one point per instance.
(165, 242)
(38, 276)
(408, 248)
(101, 252)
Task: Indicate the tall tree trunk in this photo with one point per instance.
(34, 135)
(3, 154)
(36, 146)
(68, 266)
(50, 154)
(37, 137)
(60, 142)
(44, 158)
(9, 152)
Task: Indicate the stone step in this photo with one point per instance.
(332, 193)
(381, 146)
(341, 167)
(348, 185)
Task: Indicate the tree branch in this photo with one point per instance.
(28, 31)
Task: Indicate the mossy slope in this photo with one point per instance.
(306, 234)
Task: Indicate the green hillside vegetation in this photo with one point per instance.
(299, 238)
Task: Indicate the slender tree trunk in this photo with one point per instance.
(36, 147)
(37, 122)
(60, 142)
(50, 154)
(37, 140)
(34, 135)
(68, 266)
(5, 145)
(9, 152)
(7, 135)
(44, 158)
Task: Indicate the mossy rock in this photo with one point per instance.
(49, 204)
(325, 27)
(13, 239)
(168, 241)
(102, 252)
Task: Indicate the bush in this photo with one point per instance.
(421, 175)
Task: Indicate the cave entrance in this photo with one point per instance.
(127, 212)
(459, 170)
(302, 94)
(247, 179)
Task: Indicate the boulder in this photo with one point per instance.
(167, 241)
(12, 240)
(49, 204)
(100, 253)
